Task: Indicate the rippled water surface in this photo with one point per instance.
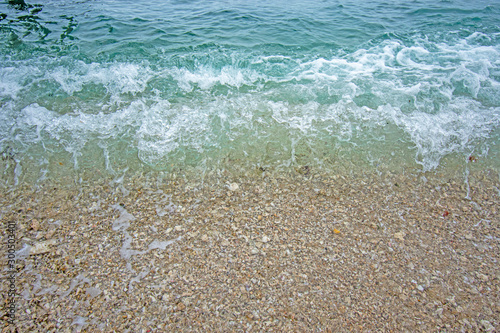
(99, 87)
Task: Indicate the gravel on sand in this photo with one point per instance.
(296, 252)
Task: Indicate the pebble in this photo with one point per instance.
(488, 327)
(400, 235)
(233, 187)
(50, 233)
(280, 272)
(42, 247)
(482, 277)
(35, 225)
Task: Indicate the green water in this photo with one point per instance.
(100, 88)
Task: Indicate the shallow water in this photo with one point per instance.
(92, 89)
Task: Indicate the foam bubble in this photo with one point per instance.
(9, 81)
(79, 321)
(207, 77)
(414, 57)
(120, 78)
(457, 128)
(122, 223)
(437, 98)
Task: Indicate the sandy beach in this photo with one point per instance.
(240, 166)
(292, 252)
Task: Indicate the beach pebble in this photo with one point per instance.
(42, 247)
(49, 234)
(253, 257)
(93, 292)
(233, 187)
(400, 235)
(482, 277)
(35, 225)
(487, 326)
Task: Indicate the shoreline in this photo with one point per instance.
(297, 251)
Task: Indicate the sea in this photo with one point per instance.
(104, 89)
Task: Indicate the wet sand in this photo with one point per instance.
(293, 252)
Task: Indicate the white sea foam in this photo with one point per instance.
(120, 78)
(79, 280)
(122, 223)
(9, 81)
(457, 128)
(206, 77)
(79, 321)
(442, 98)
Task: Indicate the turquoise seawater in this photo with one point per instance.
(95, 88)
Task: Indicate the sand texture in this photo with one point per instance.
(297, 252)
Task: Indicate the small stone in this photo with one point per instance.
(487, 326)
(473, 290)
(265, 239)
(93, 292)
(225, 242)
(254, 251)
(42, 247)
(204, 238)
(400, 235)
(178, 228)
(233, 187)
(35, 225)
(49, 234)
(482, 277)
